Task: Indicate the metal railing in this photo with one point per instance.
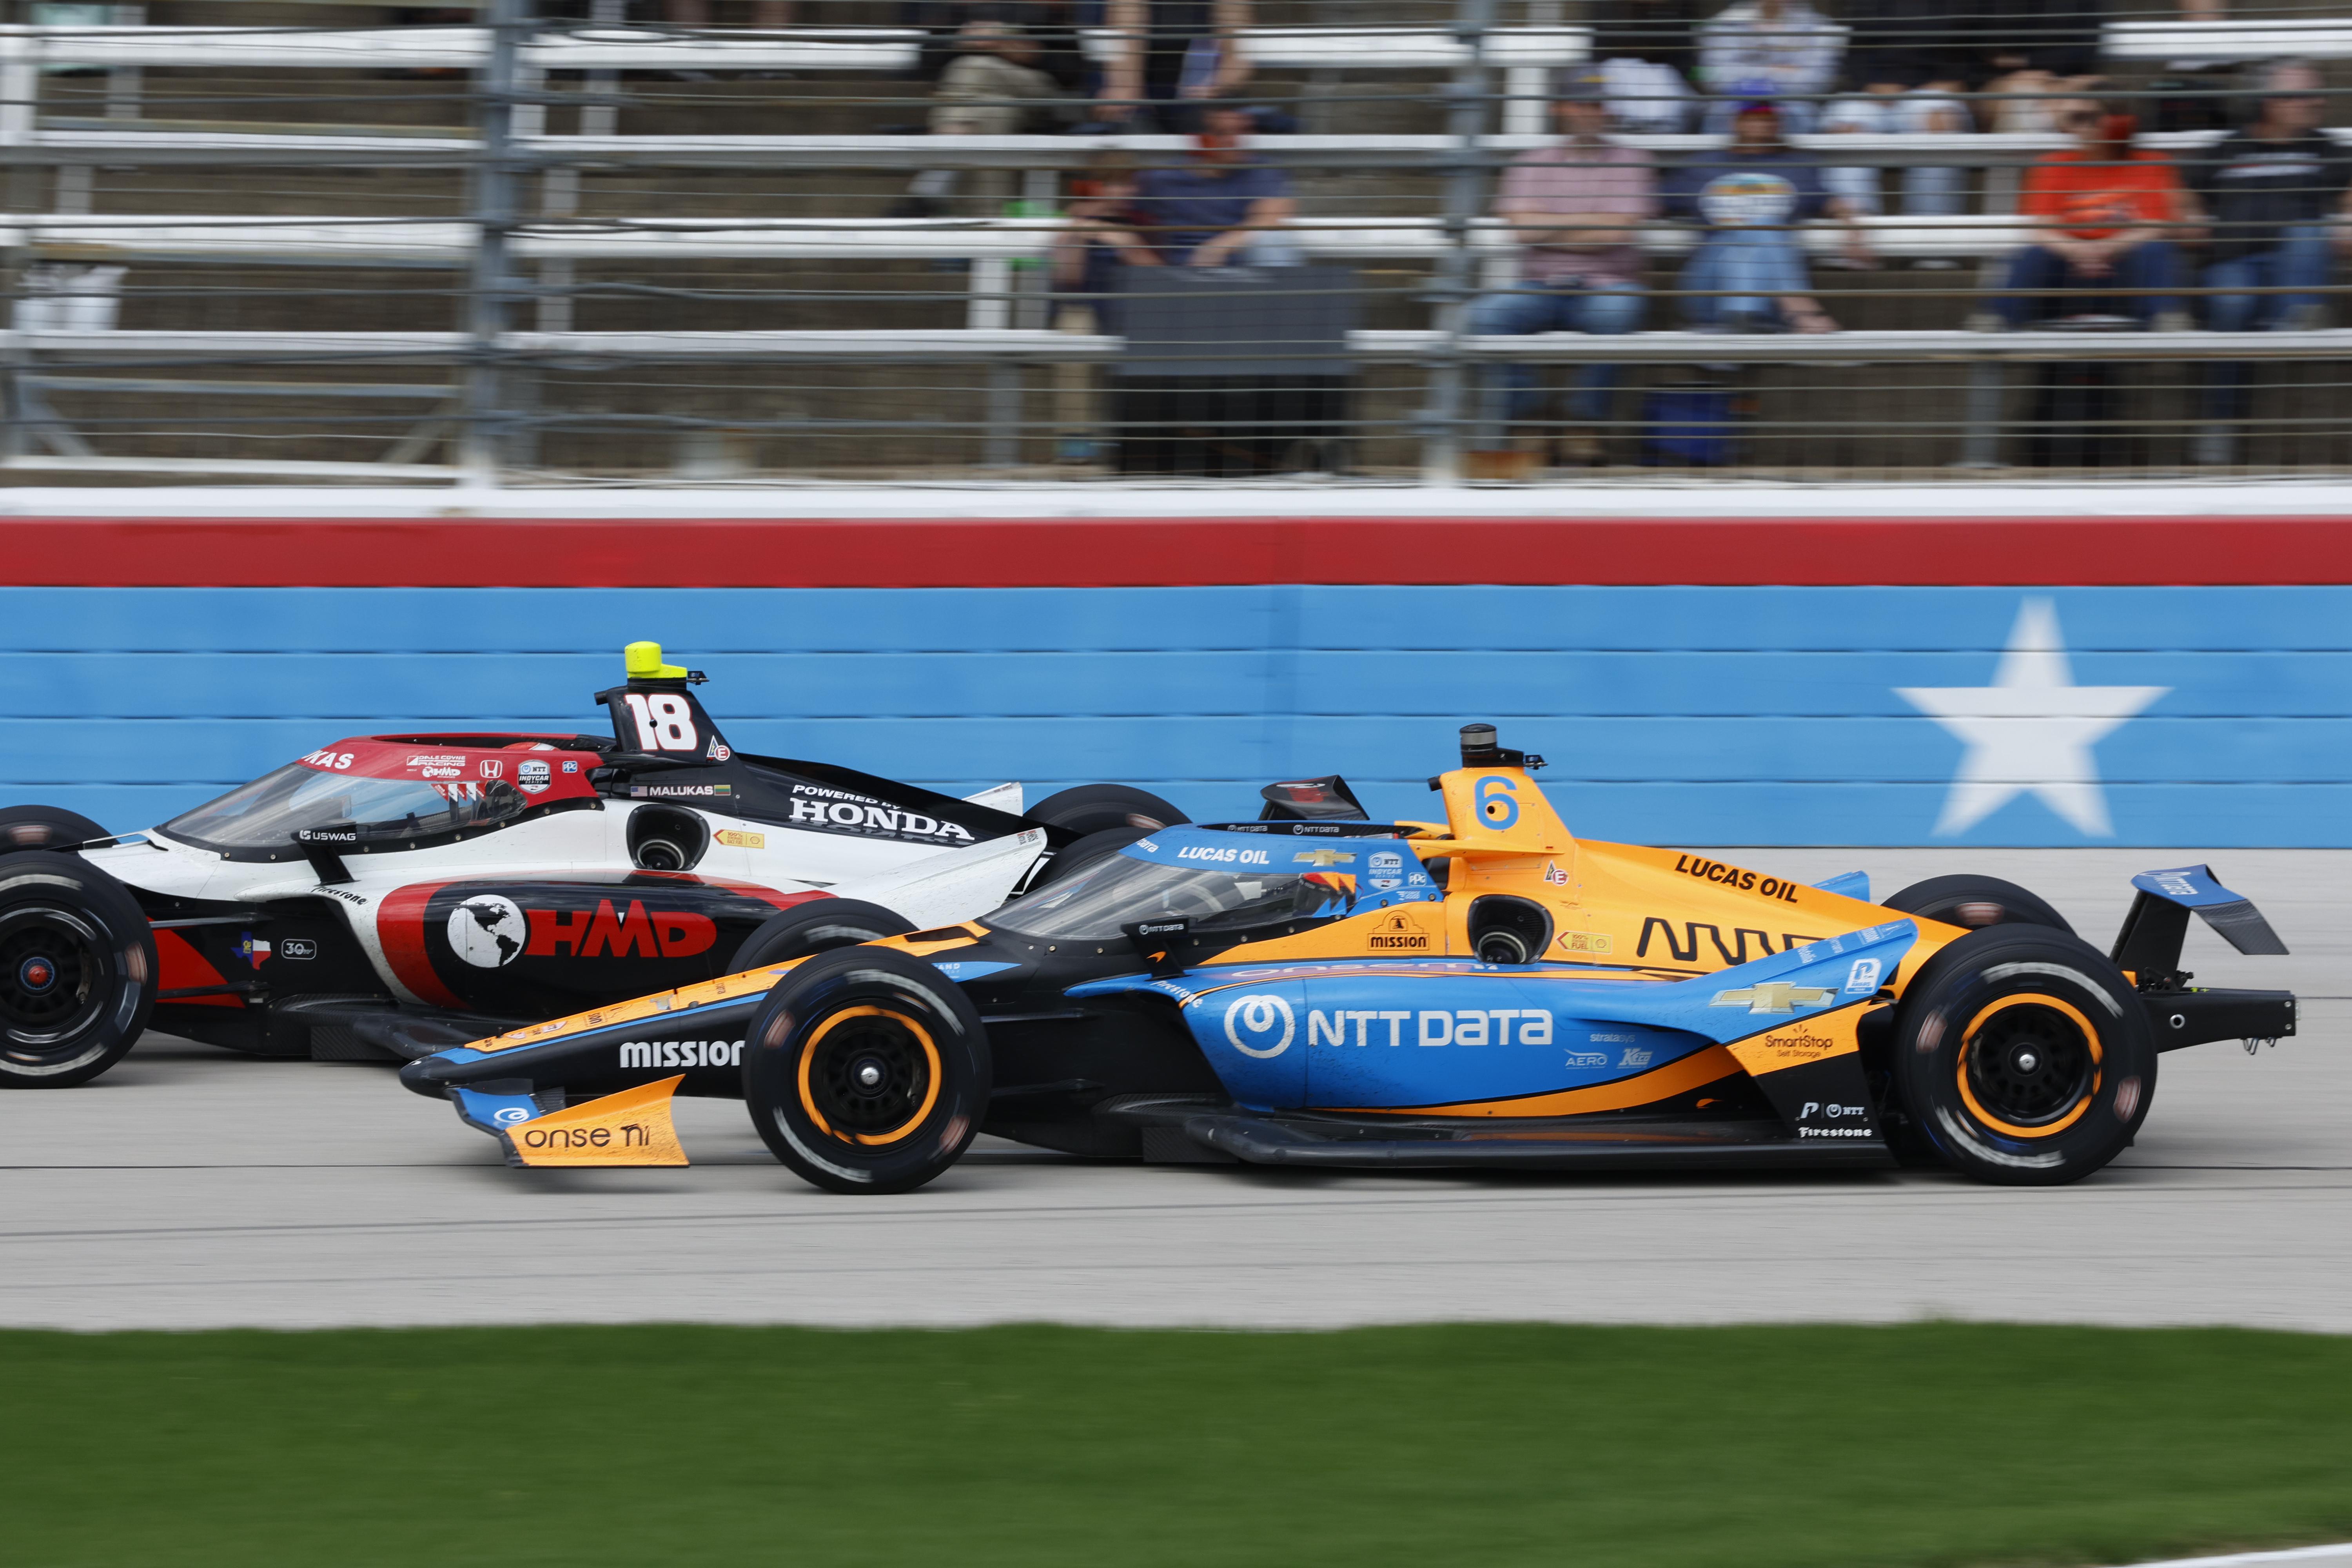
(510, 253)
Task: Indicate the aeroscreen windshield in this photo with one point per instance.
(1094, 903)
(383, 813)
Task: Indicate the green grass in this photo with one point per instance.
(1928, 1444)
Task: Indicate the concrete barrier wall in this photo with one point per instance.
(1816, 712)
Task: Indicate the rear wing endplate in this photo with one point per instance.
(2149, 943)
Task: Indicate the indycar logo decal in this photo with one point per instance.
(533, 775)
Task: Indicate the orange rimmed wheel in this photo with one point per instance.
(2028, 1065)
(869, 1074)
(867, 1071)
(2023, 1057)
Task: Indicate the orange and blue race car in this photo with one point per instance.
(1313, 988)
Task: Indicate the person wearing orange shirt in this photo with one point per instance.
(2111, 218)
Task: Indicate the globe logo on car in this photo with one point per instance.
(488, 930)
(1260, 1018)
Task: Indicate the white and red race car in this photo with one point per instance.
(386, 896)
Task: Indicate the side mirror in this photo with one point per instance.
(1158, 940)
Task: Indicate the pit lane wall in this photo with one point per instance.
(2043, 679)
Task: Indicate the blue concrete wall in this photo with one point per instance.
(1671, 715)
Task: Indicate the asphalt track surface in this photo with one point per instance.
(195, 1188)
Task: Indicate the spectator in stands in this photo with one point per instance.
(1100, 239)
(1221, 208)
(994, 88)
(1750, 267)
(1908, 61)
(2275, 197)
(2038, 52)
(991, 88)
(1170, 57)
(1103, 232)
(1778, 49)
(1052, 25)
(2110, 213)
(1647, 50)
(1576, 208)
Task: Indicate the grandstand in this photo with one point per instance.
(335, 242)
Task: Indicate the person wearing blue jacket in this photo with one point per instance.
(1749, 273)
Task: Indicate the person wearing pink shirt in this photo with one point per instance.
(1576, 208)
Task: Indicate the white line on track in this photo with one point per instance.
(2332, 1556)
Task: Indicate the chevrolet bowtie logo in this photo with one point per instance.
(1326, 859)
(1773, 997)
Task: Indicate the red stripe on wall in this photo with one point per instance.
(1105, 552)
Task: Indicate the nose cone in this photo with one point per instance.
(427, 1076)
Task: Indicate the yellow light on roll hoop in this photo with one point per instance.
(644, 662)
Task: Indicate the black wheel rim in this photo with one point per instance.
(52, 972)
(2030, 1064)
(870, 1074)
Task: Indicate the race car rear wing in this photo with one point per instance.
(2148, 946)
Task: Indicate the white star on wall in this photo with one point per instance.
(2031, 731)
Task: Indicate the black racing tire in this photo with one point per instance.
(1084, 852)
(818, 926)
(1092, 808)
(77, 970)
(46, 828)
(867, 1071)
(1977, 902)
(2023, 1057)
